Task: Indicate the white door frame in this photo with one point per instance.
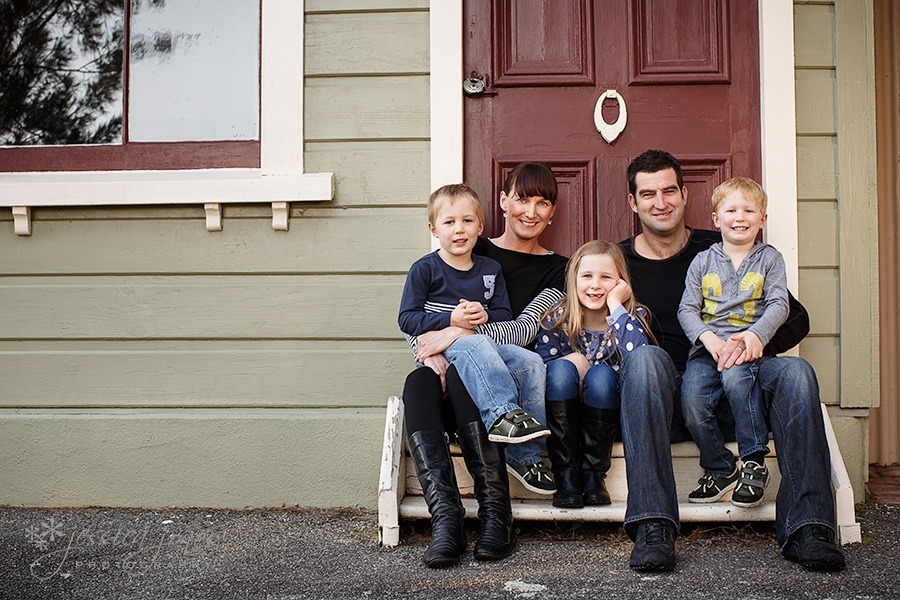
(778, 124)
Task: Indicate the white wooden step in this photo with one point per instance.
(399, 493)
(414, 507)
(685, 461)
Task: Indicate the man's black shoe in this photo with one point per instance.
(654, 546)
(813, 547)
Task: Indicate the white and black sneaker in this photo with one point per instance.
(712, 488)
(536, 478)
(752, 485)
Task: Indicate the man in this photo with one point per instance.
(658, 259)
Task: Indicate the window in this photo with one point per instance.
(136, 84)
(153, 172)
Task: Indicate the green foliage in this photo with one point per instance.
(61, 71)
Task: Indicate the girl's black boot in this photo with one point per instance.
(564, 448)
(599, 427)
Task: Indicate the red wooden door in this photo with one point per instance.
(688, 71)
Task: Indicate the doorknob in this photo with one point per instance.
(476, 85)
(610, 131)
(473, 85)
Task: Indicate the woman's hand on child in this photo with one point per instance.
(439, 365)
(435, 342)
(731, 353)
(618, 296)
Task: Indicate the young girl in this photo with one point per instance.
(588, 333)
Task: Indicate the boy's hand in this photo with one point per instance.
(712, 343)
(458, 317)
(439, 365)
(618, 296)
(752, 343)
(473, 313)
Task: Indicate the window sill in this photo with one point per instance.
(212, 188)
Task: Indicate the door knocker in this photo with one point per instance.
(610, 131)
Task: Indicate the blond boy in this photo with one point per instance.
(735, 290)
(453, 286)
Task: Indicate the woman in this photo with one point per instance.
(535, 279)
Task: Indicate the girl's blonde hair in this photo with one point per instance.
(567, 315)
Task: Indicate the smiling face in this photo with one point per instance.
(659, 202)
(596, 276)
(739, 219)
(457, 227)
(527, 217)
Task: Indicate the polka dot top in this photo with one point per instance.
(625, 333)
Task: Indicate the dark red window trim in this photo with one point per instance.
(132, 156)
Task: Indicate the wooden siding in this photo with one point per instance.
(243, 356)
(235, 458)
(817, 172)
(858, 203)
(837, 207)
(320, 240)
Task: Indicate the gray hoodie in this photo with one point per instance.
(719, 299)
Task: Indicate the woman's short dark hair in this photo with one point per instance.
(531, 179)
(653, 161)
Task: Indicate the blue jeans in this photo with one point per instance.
(791, 398)
(702, 387)
(649, 383)
(600, 385)
(501, 379)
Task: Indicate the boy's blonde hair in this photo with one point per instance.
(750, 189)
(449, 193)
(567, 313)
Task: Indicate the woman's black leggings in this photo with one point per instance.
(427, 407)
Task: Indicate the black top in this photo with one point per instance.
(659, 284)
(526, 274)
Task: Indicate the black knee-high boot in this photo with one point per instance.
(434, 469)
(598, 428)
(486, 462)
(564, 448)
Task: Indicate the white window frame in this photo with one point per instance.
(280, 179)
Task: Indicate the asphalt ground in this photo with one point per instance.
(282, 554)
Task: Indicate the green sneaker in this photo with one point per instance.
(752, 485)
(515, 427)
(536, 478)
(712, 488)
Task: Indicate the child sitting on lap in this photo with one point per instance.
(736, 290)
(453, 286)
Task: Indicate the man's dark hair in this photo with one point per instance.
(653, 161)
(531, 179)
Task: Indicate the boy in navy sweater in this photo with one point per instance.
(453, 286)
